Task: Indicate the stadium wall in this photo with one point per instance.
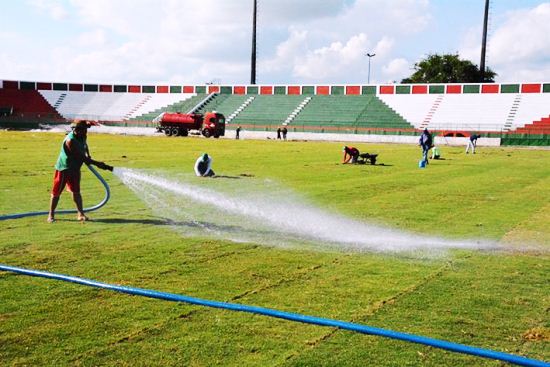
(534, 132)
(308, 89)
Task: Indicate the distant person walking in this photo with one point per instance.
(284, 131)
(74, 152)
(351, 154)
(203, 166)
(237, 133)
(426, 142)
(472, 142)
(278, 133)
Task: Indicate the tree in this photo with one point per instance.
(447, 69)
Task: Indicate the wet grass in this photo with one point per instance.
(490, 300)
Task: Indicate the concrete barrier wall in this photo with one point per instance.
(263, 135)
(359, 138)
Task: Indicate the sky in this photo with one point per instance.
(298, 41)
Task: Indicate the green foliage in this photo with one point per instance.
(494, 300)
(447, 68)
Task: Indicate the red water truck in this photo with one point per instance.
(180, 124)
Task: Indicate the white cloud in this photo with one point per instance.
(332, 49)
(331, 61)
(321, 35)
(10, 37)
(525, 35)
(150, 41)
(397, 69)
(519, 49)
(384, 47)
(53, 8)
(95, 38)
(276, 11)
(156, 40)
(287, 53)
(396, 16)
(172, 33)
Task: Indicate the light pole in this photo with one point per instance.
(370, 56)
(253, 57)
(484, 42)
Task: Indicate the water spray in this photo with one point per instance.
(252, 213)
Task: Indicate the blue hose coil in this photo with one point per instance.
(67, 211)
(364, 329)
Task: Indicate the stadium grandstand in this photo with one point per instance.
(518, 113)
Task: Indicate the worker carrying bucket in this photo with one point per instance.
(203, 166)
(426, 143)
(74, 152)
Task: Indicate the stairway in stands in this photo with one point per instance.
(512, 114)
(432, 112)
(141, 103)
(60, 100)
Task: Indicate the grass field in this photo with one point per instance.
(491, 299)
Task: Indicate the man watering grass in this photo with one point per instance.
(74, 152)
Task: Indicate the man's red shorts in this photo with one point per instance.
(71, 178)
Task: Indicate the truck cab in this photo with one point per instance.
(213, 124)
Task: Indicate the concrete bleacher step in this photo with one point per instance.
(213, 104)
(202, 103)
(297, 111)
(273, 109)
(227, 104)
(240, 109)
(541, 126)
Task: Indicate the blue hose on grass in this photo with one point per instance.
(67, 211)
(364, 329)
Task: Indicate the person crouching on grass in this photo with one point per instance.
(351, 154)
(203, 166)
(74, 152)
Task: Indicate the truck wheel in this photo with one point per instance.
(216, 136)
(206, 133)
(175, 131)
(184, 132)
(168, 131)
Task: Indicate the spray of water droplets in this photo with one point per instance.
(260, 211)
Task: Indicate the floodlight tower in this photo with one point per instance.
(484, 42)
(253, 58)
(370, 57)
